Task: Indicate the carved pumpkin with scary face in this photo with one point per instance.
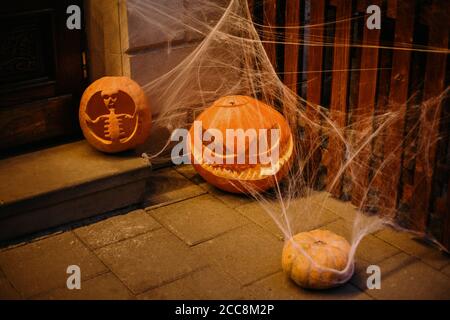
(114, 114)
(235, 172)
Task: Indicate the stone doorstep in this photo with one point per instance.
(62, 184)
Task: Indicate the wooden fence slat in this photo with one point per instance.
(430, 117)
(291, 51)
(251, 5)
(365, 109)
(398, 96)
(315, 54)
(446, 221)
(314, 47)
(378, 148)
(392, 9)
(338, 106)
(270, 17)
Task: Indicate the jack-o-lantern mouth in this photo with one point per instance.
(246, 172)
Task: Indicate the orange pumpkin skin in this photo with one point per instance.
(114, 114)
(326, 249)
(242, 112)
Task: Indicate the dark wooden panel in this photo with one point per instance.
(40, 60)
(315, 53)
(434, 85)
(398, 96)
(251, 5)
(446, 235)
(69, 47)
(314, 47)
(338, 106)
(27, 55)
(270, 17)
(36, 121)
(365, 110)
(291, 51)
(392, 9)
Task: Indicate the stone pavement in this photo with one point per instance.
(192, 241)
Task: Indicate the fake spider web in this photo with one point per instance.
(228, 58)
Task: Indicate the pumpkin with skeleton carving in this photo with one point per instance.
(243, 144)
(114, 114)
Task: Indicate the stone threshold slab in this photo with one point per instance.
(66, 183)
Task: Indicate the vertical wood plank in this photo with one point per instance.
(430, 116)
(251, 6)
(315, 54)
(398, 95)
(392, 9)
(291, 51)
(314, 46)
(365, 109)
(338, 106)
(377, 183)
(446, 233)
(270, 17)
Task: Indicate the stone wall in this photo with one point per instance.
(138, 44)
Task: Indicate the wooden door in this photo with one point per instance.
(42, 73)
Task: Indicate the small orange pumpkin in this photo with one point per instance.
(326, 249)
(242, 112)
(114, 114)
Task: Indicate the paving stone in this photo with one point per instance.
(232, 200)
(117, 228)
(103, 287)
(258, 215)
(345, 210)
(436, 258)
(406, 277)
(41, 266)
(176, 290)
(279, 287)
(360, 266)
(168, 186)
(247, 254)
(150, 260)
(370, 249)
(424, 251)
(198, 219)
(208, 283)
(309, 215)
(446, 270)
(7, 292)
(303, 215)
(187, 170)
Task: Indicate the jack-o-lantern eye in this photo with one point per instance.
(114, 114)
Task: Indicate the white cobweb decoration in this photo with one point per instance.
(229, 59)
